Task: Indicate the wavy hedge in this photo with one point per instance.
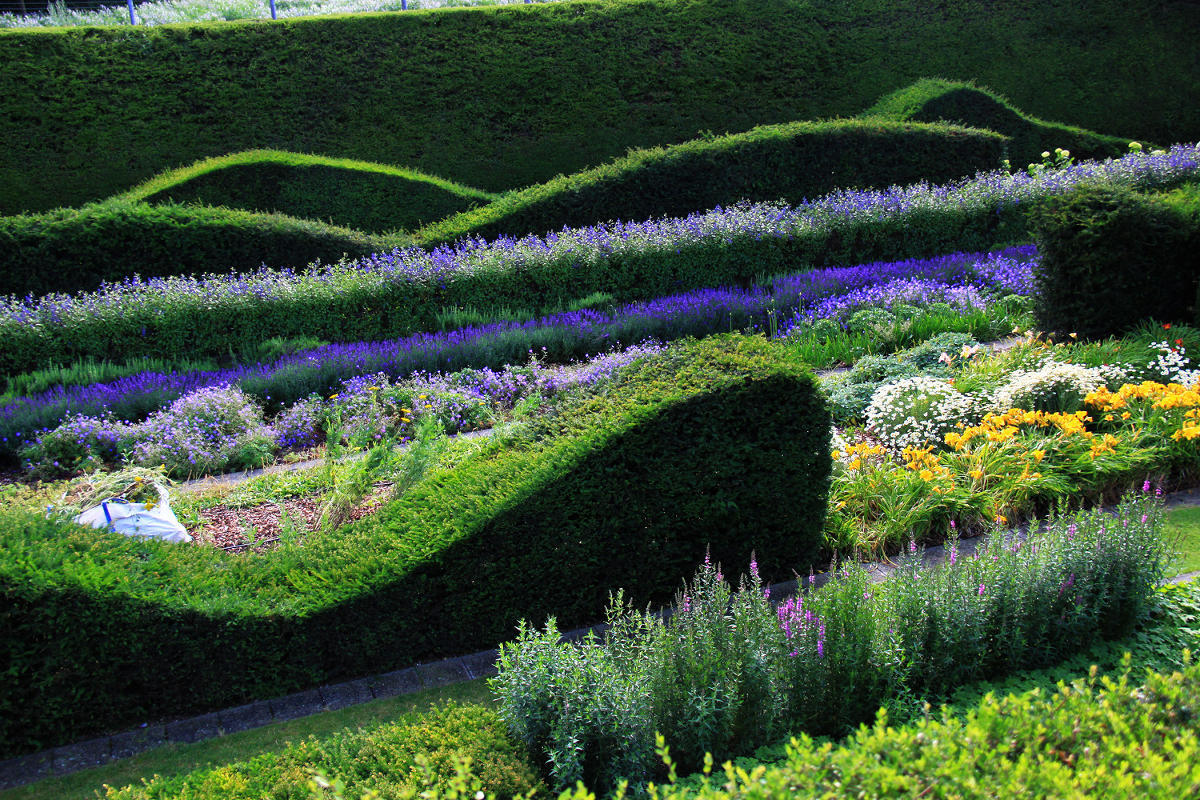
(376, 198)
(550, 89)
(792, 162)
(71, 250)
(718, 444)
(390, 294)
(935, 100)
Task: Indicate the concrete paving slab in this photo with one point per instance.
(82, 755)
(442, 673)
(26, 769)
(391, 684)
(481, 665)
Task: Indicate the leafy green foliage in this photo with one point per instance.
(727, 672)
(390, 759)
(691, 452)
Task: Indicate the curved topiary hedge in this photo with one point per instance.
(720, 444)
(353, 194)
(70, 250)
(550, 89)
(793, 162)
(936, 100)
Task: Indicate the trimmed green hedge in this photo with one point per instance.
(1113, 257)
(70, 250)
(501, 98)
(719, 444)
(935, 100)
(793, 162)
(354, 194)
(382, 759)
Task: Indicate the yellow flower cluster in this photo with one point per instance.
(1003, 427)
(923, 462)
(856, 455)
(1160, 396)
(1163, 395)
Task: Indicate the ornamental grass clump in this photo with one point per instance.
(727, 671)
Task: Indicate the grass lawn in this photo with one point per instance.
(1183, 531)
(174, 759)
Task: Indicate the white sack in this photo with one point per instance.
(133, 519)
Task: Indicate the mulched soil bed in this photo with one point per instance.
(229, 528)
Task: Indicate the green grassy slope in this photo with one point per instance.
(501, 98)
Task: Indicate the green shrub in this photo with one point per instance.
(352, 194)
(550, 89)
(792, 162)
(71, 250)
(385, 759)
(722, 445)
(963, 103)
(1112, 258)
(726, 673)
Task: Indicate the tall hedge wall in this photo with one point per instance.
(718, 444)
(501, 98)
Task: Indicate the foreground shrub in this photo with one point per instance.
(724, 675)
(698, 447)
(395, 760)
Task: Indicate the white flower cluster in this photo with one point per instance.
(914, 412)
(1172, 364)
(1054, 386)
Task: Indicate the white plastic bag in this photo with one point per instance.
(134, 519)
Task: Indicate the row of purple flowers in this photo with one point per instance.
(965, 280)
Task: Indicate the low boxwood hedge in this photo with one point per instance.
(385, 759)
(720, 445)
(71, 250)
